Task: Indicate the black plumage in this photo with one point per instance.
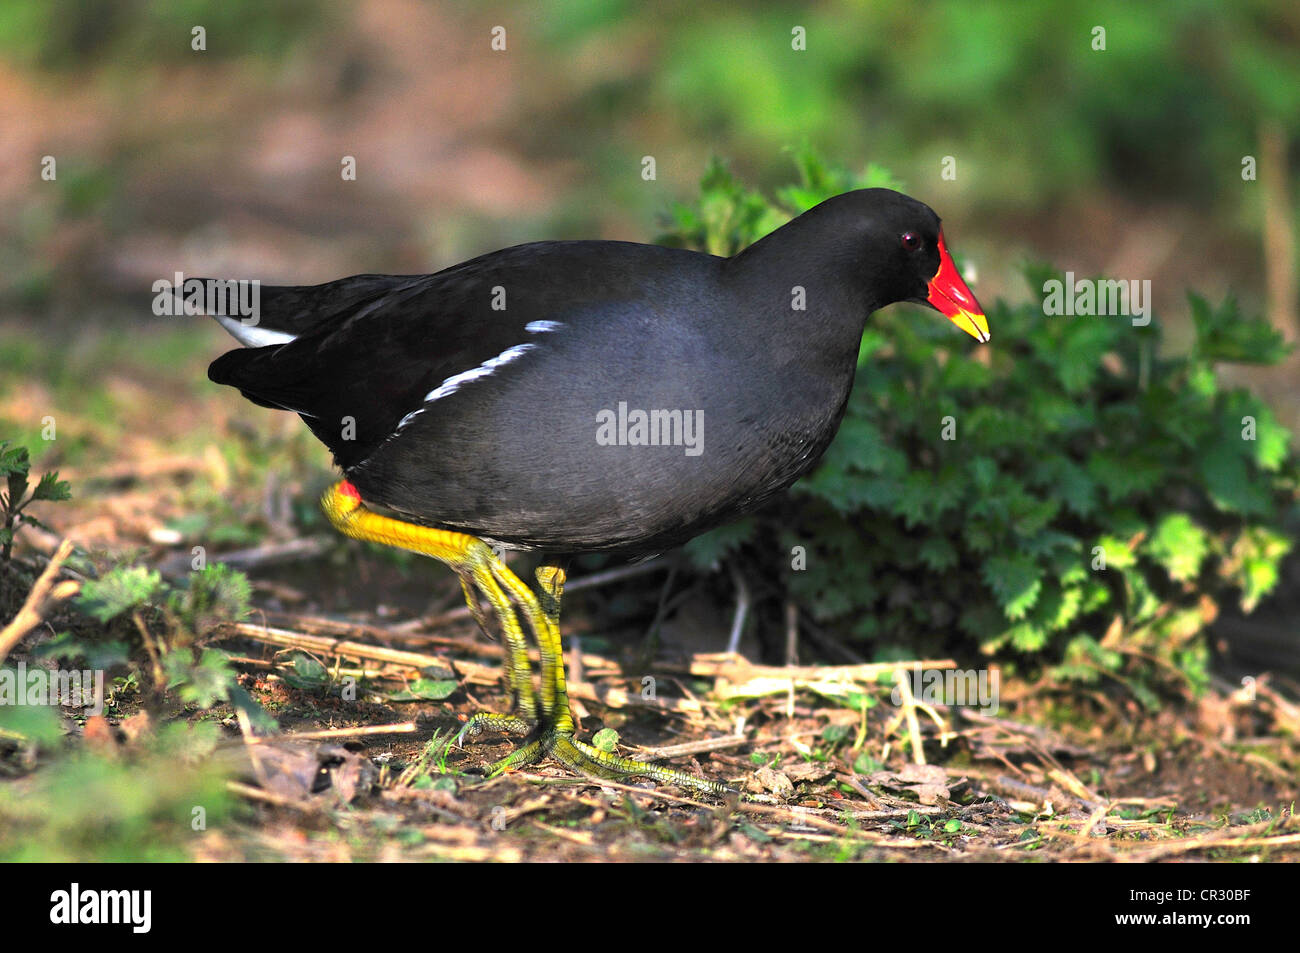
(472, 399)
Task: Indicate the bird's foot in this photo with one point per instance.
(586, 759)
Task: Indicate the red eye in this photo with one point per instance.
(912, 241)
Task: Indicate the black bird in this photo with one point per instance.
(579, 396)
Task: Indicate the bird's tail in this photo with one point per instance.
(258, 315)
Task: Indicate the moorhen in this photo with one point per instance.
(578, 396)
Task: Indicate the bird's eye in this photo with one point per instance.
(912, 241)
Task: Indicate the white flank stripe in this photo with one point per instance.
(452, 384)
(251, 335)
(408, 418)
(540, 327)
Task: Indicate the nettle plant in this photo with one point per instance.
(152, 626)
(17, 493)
(1068, 498)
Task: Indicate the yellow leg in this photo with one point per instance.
(471, 558)
(519, 674)
(551, 577)
(545, 716)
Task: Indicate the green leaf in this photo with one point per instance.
(1027, 637)
(1081, 350)
(202, 683)
(1016, 581)
(938, 553)
(1067, 480)
(1058, 607)
(52, 488)
(97, 653)
(40, 724)
(1222, 334)
(1179, 545)
(914, 497)
(214, 594)
(605, 740)
(257, 715)
(1229, 482)
(425, 689)
(1123, 475)
(13, 460)
(120, 590)
(27, 519)
(1114, 551)
(305, 673)
(984, 472)
(1258, 553)
(16, 483)
(707, 551)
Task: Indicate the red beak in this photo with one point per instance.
(949, 294)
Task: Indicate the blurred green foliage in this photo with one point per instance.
(1017, 90)
(148, 804)
(72, 34)
(146, 800)
(1013, 88)
(1089, 478)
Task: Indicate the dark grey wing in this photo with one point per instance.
(374, 350)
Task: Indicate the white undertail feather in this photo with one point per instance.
(252, 335)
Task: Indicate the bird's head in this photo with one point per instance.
(896, 245)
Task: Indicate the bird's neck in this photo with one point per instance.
(814, 301)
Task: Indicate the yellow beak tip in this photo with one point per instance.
(974, 324)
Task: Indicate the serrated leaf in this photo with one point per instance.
(52, 488)
(1016, 582)
(216, 593)
(913, 498)
(120, 590)
(1122, 475)
(1223, 334)
(27, 519)
(1069, 481)
(1058, 607)
(202, 683)
(708, 550)
(1081, 350)
(13, 459)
